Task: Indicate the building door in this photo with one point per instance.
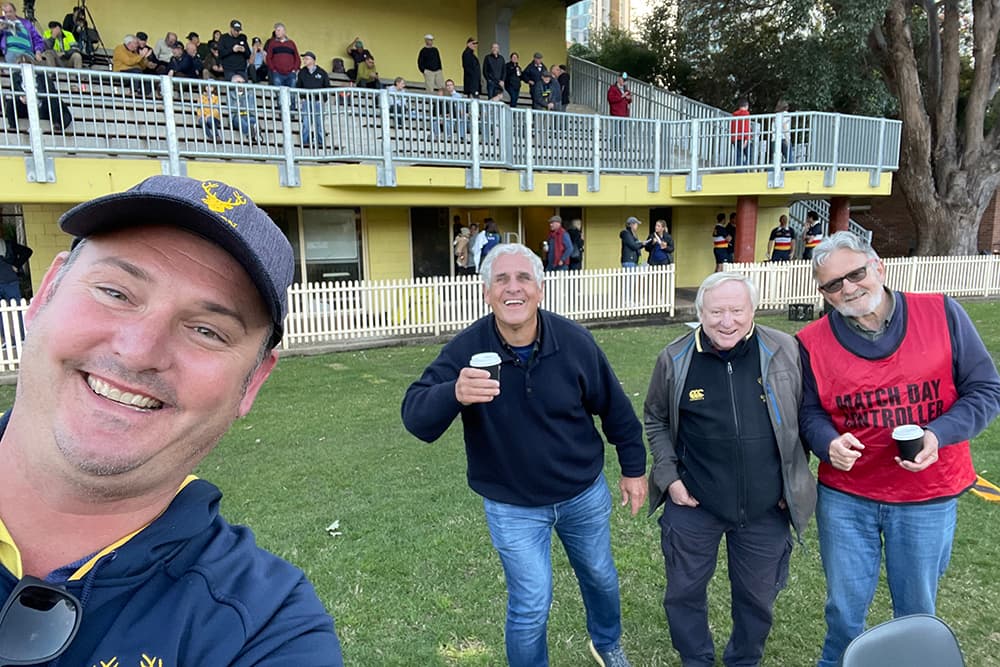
(430, 239)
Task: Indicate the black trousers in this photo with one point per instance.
(758, 556)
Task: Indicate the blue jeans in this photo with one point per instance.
(523, 537)
(852, 530)
(288, 80)
(312, 120)
(629, 265)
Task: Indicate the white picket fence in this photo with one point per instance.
(372, 310)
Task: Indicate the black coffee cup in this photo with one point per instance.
(488, 361)
(909, 439)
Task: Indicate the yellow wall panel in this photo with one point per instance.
(44, 237)
(388, 230)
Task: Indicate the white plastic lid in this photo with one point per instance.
(484, 360)
(907, 432)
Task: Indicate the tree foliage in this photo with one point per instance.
(618, 50)
(931, 63)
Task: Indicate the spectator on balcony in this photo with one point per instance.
(257, 67)
(532, 74)
(50, 107)
(779, 244)
(786, 131)
(312, 77)
(75, 23)
(164, 48)
(210, 114)
(128, 58)
(19, 38)
(454, 112)
(154, 66)
(660, 245)
(562, 76)
(398, 104)
(720, 242)
(546, 94)
(731, 234)
(181, 64)
(282, 59)
(631, 245)
(559, 248)
(739, 132)
(619, 97)
(512, 78)
(234, 51)
(192, 50)
(429, 64)
(202, 47)
(367, 76)
(358, 53)
(212, 69)
(470, 69)
(242, 103)
(814, 234)
(493, 71)
(61, 49)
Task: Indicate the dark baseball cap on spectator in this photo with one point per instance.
(141, 36)
(211, 209)
(54, 24)
(256, 40)
(472, 40)
(177, 45)
(538, 54)
(192, 35)
(309, 54)
(235, 23)
(631, 221)
(547, 73)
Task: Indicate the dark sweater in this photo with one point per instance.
(429, 59)
(536, 443)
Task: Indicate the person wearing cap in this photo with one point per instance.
(212, 68)
(144, 344)
(429, 64)
(61, 49)
(471, 82)
(282, 58)
(631, 245)
(532, 74)
(560, 246)
(312, 77)
(534, 452)
(234, 51)
(181, 63)
(619, 97)
(358, 53)
(257, 65)
(545, 94)
(880, 359)
(154, 64)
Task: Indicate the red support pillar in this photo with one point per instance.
(746, 229)
(840, 213)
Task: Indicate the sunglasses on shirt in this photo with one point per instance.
(837, 284)
(37, 623)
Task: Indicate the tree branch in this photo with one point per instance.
(985, 26)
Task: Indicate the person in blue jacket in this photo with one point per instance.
(534, 453)
(144, 344)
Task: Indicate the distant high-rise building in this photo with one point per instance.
(584, 16)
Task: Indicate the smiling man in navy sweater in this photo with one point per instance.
(533, 451)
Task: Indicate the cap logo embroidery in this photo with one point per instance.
(218, 205)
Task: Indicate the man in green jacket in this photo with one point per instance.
(61, 49)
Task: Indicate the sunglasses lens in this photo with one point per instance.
(858, 275)
(833, 286)
(37, 626)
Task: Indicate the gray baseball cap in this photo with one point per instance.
(632, 220)
(211, 209)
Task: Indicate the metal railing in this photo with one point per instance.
(60, 112)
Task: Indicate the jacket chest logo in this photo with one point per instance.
(696, 395)
(144, 661)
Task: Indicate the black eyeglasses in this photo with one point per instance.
(837, 284)
(38, 622)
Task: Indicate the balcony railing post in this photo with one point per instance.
(830, 177)
(40, 169)
(777, 176)
(594, 182)
(528, 177)
(386, 172)
(654, 178)
(173, 165)
(288, 171)
(474, 177)
(693, 178)
(875, 177)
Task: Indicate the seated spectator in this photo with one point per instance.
(398, 107)
(257, 67)
(282, 58)
(154, 65)
(202, 47)
(454, 111)
(126, 57)
(367, 74)
(358, 53)
(50, 107)
(211, 67)
(210, 115)
(163, 49)
(19, 37)
(191, 48)
(242, 103)
(181, 64)
(61, 49)
(75, 23)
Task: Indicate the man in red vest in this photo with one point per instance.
(909, 359)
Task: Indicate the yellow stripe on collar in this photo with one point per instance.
(10, 557)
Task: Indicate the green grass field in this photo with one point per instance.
(413, 579)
